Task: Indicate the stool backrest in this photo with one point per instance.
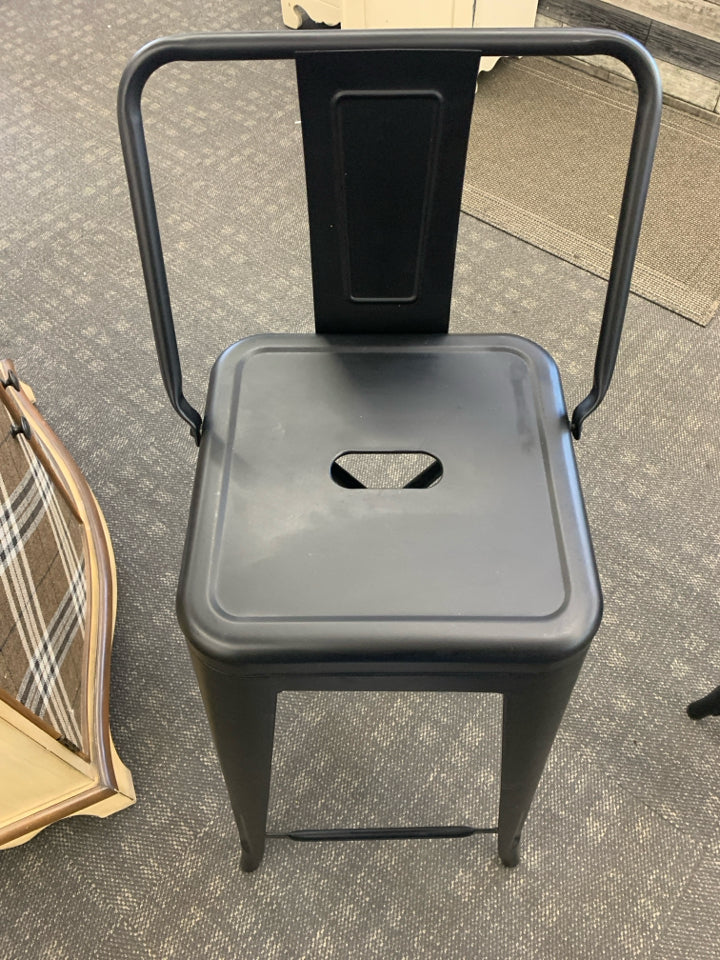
(385, 122)
(385, 136)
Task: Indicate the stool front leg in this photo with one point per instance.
(531, 717)
(242, 719)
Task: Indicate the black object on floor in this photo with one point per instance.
(706, 706)
(381, 833)
(484, 581)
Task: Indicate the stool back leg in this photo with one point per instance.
(531, 717)
(242, 719)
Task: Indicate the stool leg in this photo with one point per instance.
(242, 720)
(706, 706)
(531, 717)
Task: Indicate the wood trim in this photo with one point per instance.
(58, 811)
(595, 13)
(101, 576)
(16, 403)
(700, 17)
(20, 708)
(48, 741)
(667, 42)
(684, 49)
(98, 630)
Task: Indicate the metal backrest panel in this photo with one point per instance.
(279, 46)
(385, 136)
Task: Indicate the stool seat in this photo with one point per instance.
(492, 562)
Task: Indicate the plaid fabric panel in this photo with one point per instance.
(42, 591)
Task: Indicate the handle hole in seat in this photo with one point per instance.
(392, 470)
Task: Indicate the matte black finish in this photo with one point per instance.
(12, 380)
(283, 564)
(241, 714)
(707, 706)
(477, 574)
(278, 46)
(384, 164)
(241, 711)
(22, 427)
(382, 833)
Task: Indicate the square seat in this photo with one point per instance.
(491, 564)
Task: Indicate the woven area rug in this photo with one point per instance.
(546, 163)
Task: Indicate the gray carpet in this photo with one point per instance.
(622, 853)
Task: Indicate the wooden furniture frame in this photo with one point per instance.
(48, 779)
(412, 14)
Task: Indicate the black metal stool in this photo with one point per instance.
(478, 573)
